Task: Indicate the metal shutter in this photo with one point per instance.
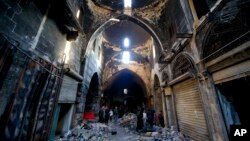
(190, 113)
(232, 72)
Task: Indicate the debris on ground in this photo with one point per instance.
(128, 121)
(123, 131)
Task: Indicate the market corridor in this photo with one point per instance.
(180, 65)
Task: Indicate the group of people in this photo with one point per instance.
(146, 119)
(107, 115)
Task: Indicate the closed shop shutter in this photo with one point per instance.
(68, 90)
(189, 109)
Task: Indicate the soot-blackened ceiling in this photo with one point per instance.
(118, 4)
(117, 32)
(113, 53)
(149, 11)
(113, 42)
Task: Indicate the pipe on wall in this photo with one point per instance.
(70, 72)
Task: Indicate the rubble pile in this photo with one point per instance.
(156, 133)
(128, 121)
(123, 131)
(88, 131)
(164, 134)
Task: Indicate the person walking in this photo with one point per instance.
(106, 115)
(111, 115)
(116, 114)
(102, 114)
(145, 118)
(140, 120)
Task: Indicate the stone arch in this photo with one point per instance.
(124, 78)
(111, 21)
(181, 64)
(134, 73)
(205, 36)
(224, 35)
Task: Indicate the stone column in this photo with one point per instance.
(174, 110)
(213, 113)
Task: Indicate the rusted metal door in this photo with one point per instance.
(189, 110)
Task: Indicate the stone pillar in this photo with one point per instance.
(212, 109)
(169, 105)
(165, 111)
(175, 123)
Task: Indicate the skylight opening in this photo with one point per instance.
(125, 57)
(126, 42)
(127, 3)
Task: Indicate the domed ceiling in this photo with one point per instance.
(118, 4)
(117, 32)
(138, 38)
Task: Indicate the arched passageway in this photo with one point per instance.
(125, 90)
(92, 95)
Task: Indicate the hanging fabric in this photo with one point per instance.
(29, 89)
